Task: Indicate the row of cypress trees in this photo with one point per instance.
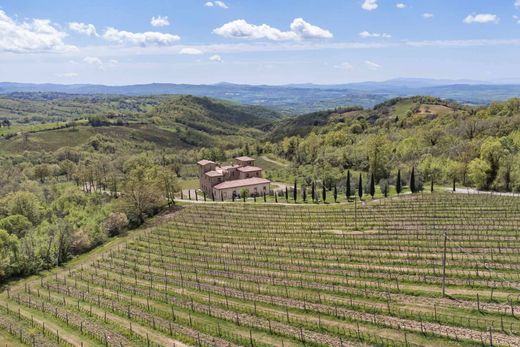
(348, 189)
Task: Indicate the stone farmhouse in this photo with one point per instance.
(227, 181)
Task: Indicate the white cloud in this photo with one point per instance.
(220, 4)
(517, 3)
(113, 61)
(369, 5)
(402, 5)
(427, 15)
(366, 34)
(300, 30)
(216, 58)
(83, 28)
(68, 74)
(306, 30)
(35, 35)
(190, 51)
(481, 18)
(371, 65)
(345, 66)
(160, 21)
(142, 39)
(92, 61)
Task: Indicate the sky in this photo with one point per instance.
(258, 42)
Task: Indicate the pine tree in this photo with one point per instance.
(412, 180)
(348, 193)
(324, 194)
(372, 185)
(295, 191)
(398, 185)
(360, 187)
(335, 194)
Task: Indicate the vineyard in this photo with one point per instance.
(421, 270)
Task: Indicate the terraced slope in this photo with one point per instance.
(266, 275)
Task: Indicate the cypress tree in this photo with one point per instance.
(348, 193)
(204, 194)
(286, 194)
(304, 194)
(189, 194)
(412, 180)
(212, 196)
(335, 194)
(431, 188)
(385, 190)
(265, 197)
(324, 193)
(295, 191)
(360, 187)
(313, 191)
(398, 186)
(182, 195)
(454, 188)
(275, 196)
(372, 185)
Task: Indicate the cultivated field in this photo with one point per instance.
(272, 275)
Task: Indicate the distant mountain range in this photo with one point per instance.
(298, 98)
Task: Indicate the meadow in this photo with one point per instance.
(435, 269)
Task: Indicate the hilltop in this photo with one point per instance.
(51, 121)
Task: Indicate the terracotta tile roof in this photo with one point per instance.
(227, 167)
(213, 173)
(205, 162)
(250, 169)
(242, 183)
(244, 158)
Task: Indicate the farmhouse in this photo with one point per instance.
(227, 181)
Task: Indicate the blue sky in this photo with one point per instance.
(258, 42)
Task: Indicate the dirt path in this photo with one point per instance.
(483, 192)
(266, 158)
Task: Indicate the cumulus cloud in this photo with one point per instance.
(148, 38)
(367, 34)
(300, 30)
(191, 51)
(427, 15)
(306, 30)
(402, 5)
(160, 21)
(481, 18)
(369, 5)
(83, 28)
(35, 35)
(220, 4)
(216, 58)
(371, 65)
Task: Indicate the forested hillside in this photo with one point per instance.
(76, 170)
(444, 141)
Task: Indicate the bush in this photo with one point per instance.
(116, 223)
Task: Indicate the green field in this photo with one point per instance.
(271, 275)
